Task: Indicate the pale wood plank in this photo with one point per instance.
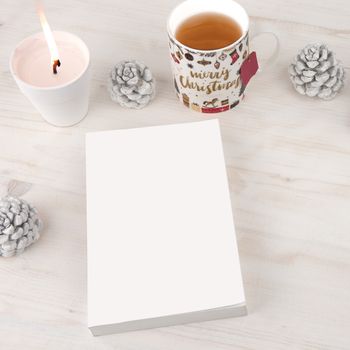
(288, 161)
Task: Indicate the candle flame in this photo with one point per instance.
(51, 43)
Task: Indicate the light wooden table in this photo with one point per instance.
(288, 161)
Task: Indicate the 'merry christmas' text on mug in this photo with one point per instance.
(212, 81)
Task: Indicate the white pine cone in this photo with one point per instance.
(19, 226)
(316, 72)
(131, 84)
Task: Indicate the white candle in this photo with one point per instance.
(31, 61)
(62, 98)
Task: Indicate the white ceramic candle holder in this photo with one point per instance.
(62, 100)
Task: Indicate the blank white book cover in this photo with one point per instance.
(161, 237)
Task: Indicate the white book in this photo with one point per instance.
(161, 239)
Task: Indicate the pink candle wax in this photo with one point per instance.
(32, 64)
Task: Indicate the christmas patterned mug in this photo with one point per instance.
(212, 81)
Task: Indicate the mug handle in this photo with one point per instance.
(272, 59)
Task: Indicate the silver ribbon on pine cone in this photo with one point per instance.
(131, 84)
(20, 226)
(316, 72)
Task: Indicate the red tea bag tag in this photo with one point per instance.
(249, 67)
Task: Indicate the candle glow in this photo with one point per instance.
(51, 43)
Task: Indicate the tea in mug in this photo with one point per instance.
(208, 31)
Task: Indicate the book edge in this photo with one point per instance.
(171, 320)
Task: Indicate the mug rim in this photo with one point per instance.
(190, 49)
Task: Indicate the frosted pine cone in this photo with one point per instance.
(19, 226)
(316, 72)
(131, 84)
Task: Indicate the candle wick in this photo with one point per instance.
(56, 63)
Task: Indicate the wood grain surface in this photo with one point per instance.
(288, 162)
